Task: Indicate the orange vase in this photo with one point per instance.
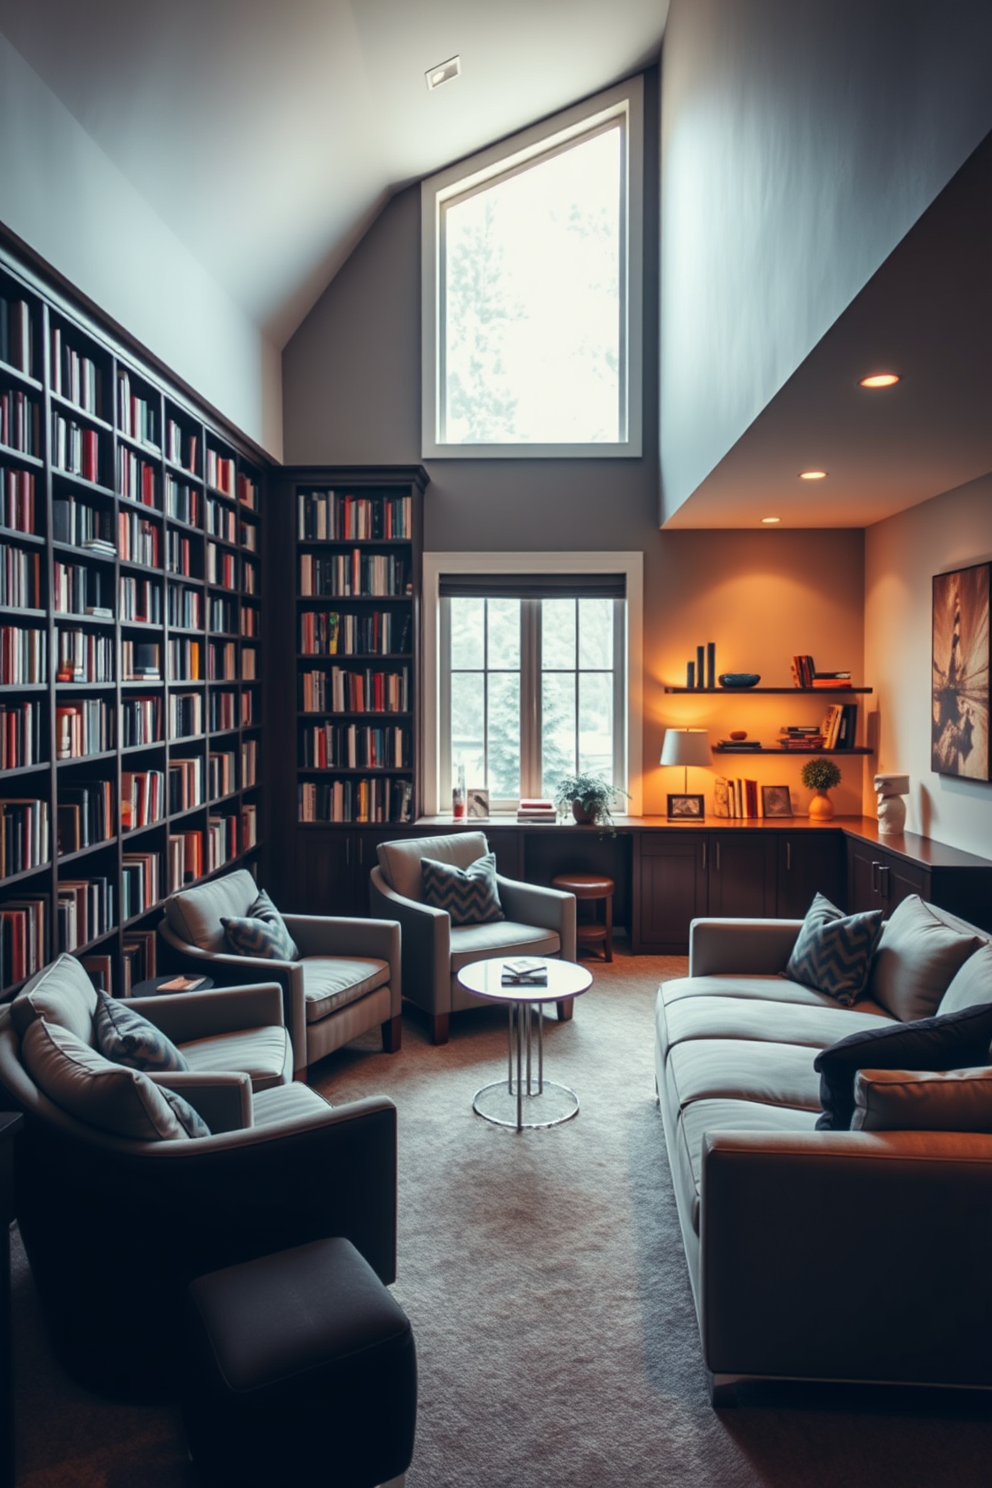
(821, 808)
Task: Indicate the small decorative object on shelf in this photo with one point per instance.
(458, 793)
(739, 679)
(686, 808)
(701, 673)
(776, 800)
(478, 803)
(590, 797)
(890, 790)
(820, 775)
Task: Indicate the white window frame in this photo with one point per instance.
(626, 102)
(631, 565)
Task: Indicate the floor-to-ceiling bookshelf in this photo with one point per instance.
(130, 619)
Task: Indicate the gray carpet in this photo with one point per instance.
(544, 1276)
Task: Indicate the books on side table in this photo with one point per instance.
(524, 971)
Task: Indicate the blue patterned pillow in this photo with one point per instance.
(124, 1036)
(833, 951)
(262, 932)
(470, 895)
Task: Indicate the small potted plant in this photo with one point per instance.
(820, 775)
(590, 797)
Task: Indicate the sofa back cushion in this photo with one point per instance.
(122, 1101)
(399, 862)
(923, 1100)
(916, 959)
(195, 914)
(971, 983)
(833, 951)
(61, 993)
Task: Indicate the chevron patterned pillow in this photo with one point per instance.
(262, 932)
(470, 895)
(833, 951)
(127, 1038)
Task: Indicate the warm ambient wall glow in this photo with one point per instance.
(812, 475)
(880, 380)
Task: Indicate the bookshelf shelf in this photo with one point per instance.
(752, 691)
(743, 753)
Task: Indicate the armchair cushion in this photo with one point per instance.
(109, 1096)
(399, 861)
(264, 1054)
(63, 994)
(125, 1037)
(195, 914)
(469, 895)
(262, 932)
(331, 982)
(503, 937)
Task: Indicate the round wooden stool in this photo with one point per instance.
(592, 887)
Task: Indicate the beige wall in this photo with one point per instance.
(901, 556)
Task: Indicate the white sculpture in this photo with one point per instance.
(891, 807)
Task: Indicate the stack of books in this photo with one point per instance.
(525, 971)
(802, 736)
(831, 681)
(805, 674)
(739, 746)
(536, 809)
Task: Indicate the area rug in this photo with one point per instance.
(544, 1276)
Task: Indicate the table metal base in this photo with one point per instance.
(506, 1103)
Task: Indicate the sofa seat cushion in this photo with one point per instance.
(499, 938)
(768, 988)
(287, 1103)
(62, 994)
(265, 1054)
(753, 1019)
(332, 982)
(722, 1069)
(704, 1116)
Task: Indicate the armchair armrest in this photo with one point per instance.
(742, 947)
(185, 1016)
(223, 1099)
(783, 1288)
(426, 945)
(549, 909)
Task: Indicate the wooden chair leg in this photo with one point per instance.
(392, 1035)
(439, 1030)
(608, 916)
(565, 1009)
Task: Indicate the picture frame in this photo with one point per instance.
(686, 808)
(960, 657)
(776, 800)
(478, 803)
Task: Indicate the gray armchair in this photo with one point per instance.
(115, 1227)
(346, 982)
(539, 922)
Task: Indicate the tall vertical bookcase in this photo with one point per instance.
(351, 749)
(131, 542)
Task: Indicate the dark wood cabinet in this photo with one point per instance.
(808, 863)
(741, 876)
(670, 875)
(880, 876)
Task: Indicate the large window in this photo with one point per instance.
(532, 290)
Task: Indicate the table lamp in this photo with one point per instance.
(686, 747)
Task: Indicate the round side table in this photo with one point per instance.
(504, 1102)
(591, 887)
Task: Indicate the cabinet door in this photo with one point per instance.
(878, 879)
(742, 874)
(808, 863)
(897, 879)
(862, 875)
(330, 877)
(671, 890)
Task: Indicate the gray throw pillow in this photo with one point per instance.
(971, 984)
(262, 932)
(470, 895)
(923, 1100)
(833, 951)
(128, 1038)
(917, 956)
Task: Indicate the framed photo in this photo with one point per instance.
(775, 800)
(959, 712)
(478, 803)
(685, 808)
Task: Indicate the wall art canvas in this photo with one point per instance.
(959, 718)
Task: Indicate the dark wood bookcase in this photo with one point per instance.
(131, 543)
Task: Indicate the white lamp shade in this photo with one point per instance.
(686, 747)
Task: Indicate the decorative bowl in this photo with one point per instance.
(739, 679)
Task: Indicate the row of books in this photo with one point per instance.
(184, 607)
(840, 726)
(136, 480)
(194, 852)
(23, 655)
(142, 798)
(136, 416)
(179, 553)
(140, 600)
(77, 522)
(222, 566)
(84, 815)
(78, 589)
(249, 825)
(220, 773)
(249, 620)
(16, 341)
(23, 937)
(249, 664)
(222, 661)
(805, 674)
(20, 422)
(17, 510)
(139, 539)
(75, 449)
(247, 492)
(326, 515)
(364, 691)
(736, 797)
(24, 840)
(356, 573)
(182, 501)
(380, 799)
(83, 728)
(20, 577)
(84, 911)
(182, 447)
(331, 633)
(355, 747)
(185, 658)
(141, 883)
(83, 656)
(141, 721)
(221, 473)
(185, 784)
(222, 615)
(138, 959)
(221, 521)
(20, 735)
(141, 661)
(74, 376)
(249, 576)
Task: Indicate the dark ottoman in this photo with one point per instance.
(302, 1370)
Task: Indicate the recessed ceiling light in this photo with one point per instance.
(880, 380)
(770, 521)
(443, 72)
(812, 475)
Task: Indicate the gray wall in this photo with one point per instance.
(800, 142)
